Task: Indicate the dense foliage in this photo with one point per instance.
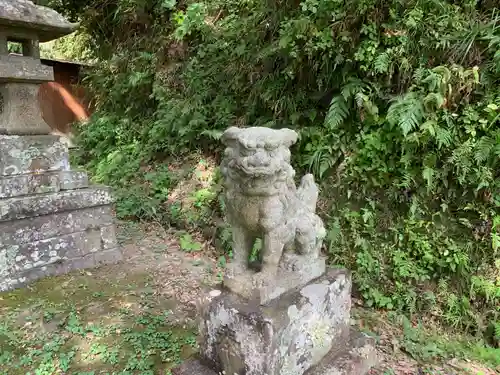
(396, 102)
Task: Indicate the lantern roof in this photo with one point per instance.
(22, 17)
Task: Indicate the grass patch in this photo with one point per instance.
(81, 324)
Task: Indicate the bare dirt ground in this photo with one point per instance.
(175, 274)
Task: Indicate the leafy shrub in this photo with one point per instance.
(396, 102)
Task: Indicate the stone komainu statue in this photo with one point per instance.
(262, 200)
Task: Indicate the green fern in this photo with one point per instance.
(337, 113)
(496, 60)
(407, 112)
(433, 101)
(496, 326)
(438, 79)
(428, 175)
(212, 134)
(406, 180)
(382, 63)
(443, 137)
(419, 74)
(461, 159)
(484, 149)
(351, 88)
(322, 159)
(360, 99)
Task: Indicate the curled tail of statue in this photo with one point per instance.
(308, 192)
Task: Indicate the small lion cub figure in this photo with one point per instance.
(262, 200)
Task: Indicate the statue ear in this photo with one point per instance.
(230, 135)
(289, 136)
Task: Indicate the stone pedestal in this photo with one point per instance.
(51, 221)
(357, 357)
(288, 336)
(304, 331)
(293, 272)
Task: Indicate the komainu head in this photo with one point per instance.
(257, 160)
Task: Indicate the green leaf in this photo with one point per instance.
(169, 4)
(406, 112)
(443, 137)
(484, 149)
(495, 241)
(337, 113)
(187, 243)
(351, 88)
(382, 63)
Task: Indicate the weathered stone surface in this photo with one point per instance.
(32, 154)
(48, 222)
(287, 337)
(263, 202)
(45, 204)
(18, 185)
(4, 48)
(193, 367)
(46, 23)
(72, 180)
(108, 237)
(15, 68)
(47, 182)
(92, 260)
(355, 359)
(24, 231)
(49, 251)
(21, 113)
(294, 271)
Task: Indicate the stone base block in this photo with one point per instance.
(288, 336)
(45, 204)
(51, 221)
(55, 249)
(22, 263)
(193, 367)
(48, 182)
(32, 154)
(53, 244)
(355, 358)
(72, 180)
(25, 231)
(294, 271)
(60, 267)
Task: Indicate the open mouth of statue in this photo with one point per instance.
(254, 167)
(258, 171)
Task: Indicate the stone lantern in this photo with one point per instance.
(51, 221)
(20, 76)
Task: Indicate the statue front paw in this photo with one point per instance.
(265, 277)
